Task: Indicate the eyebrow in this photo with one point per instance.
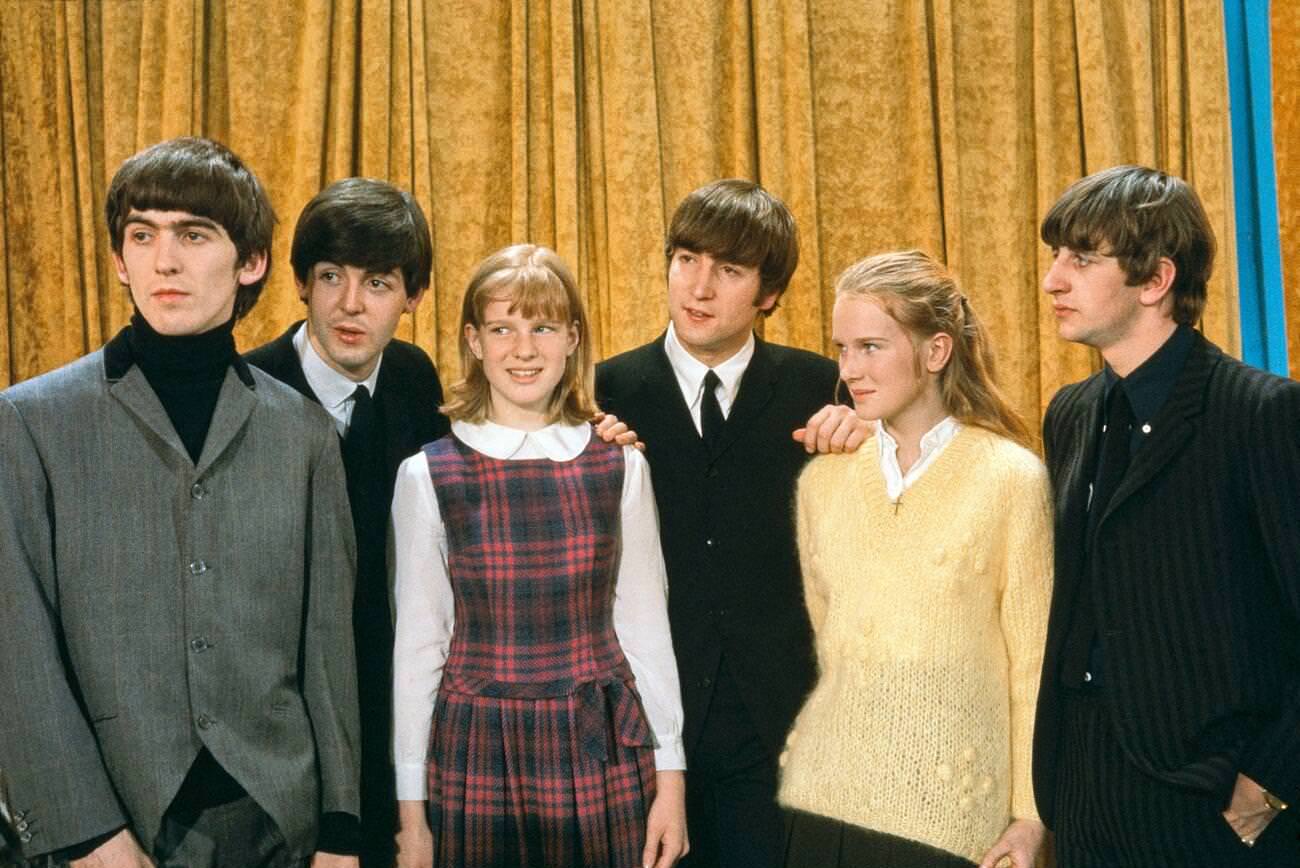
(187, 223)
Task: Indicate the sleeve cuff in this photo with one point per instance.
(340, 834)
(670, 756)
(412, 782)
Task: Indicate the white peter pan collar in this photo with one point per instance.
(558, 442)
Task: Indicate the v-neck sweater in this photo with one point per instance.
(929, 623)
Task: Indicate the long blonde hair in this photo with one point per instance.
(923, 297)
(538, 284)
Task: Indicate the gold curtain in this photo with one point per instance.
(580, 123)
(1285, 39)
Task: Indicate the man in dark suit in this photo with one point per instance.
(716, 407)
(176, 668)
(362, 257)
(1168, 728)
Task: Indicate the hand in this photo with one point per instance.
(665, 832)
(611, 430)
(1248, 814)
(334, 860)
(1019, 844)
(414, 840)
(119, 851)
(834, 428)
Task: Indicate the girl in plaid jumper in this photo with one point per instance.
(537, 714)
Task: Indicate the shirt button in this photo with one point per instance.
(1087, 676)
(204, 721)
(198, 568)
(197, 491)
(199, 644)
(709, 542)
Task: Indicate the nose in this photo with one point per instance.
(525, 346)
(353, 300)
(1054, 279)
(165, 259)
(848, 369)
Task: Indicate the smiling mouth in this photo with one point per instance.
(524, 373)
(697, 315)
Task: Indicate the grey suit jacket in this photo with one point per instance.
(150, 607)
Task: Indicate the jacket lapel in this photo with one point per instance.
(235, 404)
(756, 387)
(133, 392)
(674, 428)
(1174, 425)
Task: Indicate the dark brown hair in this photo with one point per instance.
(1139, 215)
(923, 297)
(538, 284)
(367, 224)
(206, 179)
(738, 221)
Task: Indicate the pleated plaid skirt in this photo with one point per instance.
(539, 751)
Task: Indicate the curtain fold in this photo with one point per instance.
(580, 124)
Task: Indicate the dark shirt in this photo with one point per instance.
(1150, 384)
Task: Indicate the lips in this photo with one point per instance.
(349, 334)
(168, 294)
(697, 315)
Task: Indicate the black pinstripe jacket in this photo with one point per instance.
(1195, 574)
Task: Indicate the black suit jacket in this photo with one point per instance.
(1195, 574)
(727, 524)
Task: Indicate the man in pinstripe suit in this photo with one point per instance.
(1169, 714)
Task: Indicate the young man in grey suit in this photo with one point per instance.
(716, 407)
(1168, 729)
(176, 564)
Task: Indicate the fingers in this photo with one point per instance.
(833, 428)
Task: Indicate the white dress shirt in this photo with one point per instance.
(333, 390)
(426, 604)
(690, 373)
(932, 443)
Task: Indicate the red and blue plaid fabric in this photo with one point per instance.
(540, 753)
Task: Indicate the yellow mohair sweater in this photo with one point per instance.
(929, 622)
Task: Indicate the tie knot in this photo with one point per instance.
(1118, 409)
(361, 395)
(711, 379)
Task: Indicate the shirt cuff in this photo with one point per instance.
(412, 782)
(670, 756)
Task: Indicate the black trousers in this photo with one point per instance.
(821, 842)
(1109, 814)
(731, 812)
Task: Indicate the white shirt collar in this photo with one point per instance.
(690, 373)
(932, 443)
(558, 442)
(333, 390)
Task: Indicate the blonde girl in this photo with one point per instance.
(926, 558)
(537, 711)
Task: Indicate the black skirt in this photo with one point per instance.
(813, 841)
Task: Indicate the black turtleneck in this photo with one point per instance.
(186, 372)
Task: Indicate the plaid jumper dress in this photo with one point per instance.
(539, 752)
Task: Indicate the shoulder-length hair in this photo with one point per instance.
(537, 283)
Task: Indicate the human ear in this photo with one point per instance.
(471, 338)
(938, 352)
(1159, 288)
(254, 268)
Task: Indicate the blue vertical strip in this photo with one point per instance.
(1259, 241)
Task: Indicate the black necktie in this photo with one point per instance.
(361, 427)
(710, 411)
(1116, 449)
